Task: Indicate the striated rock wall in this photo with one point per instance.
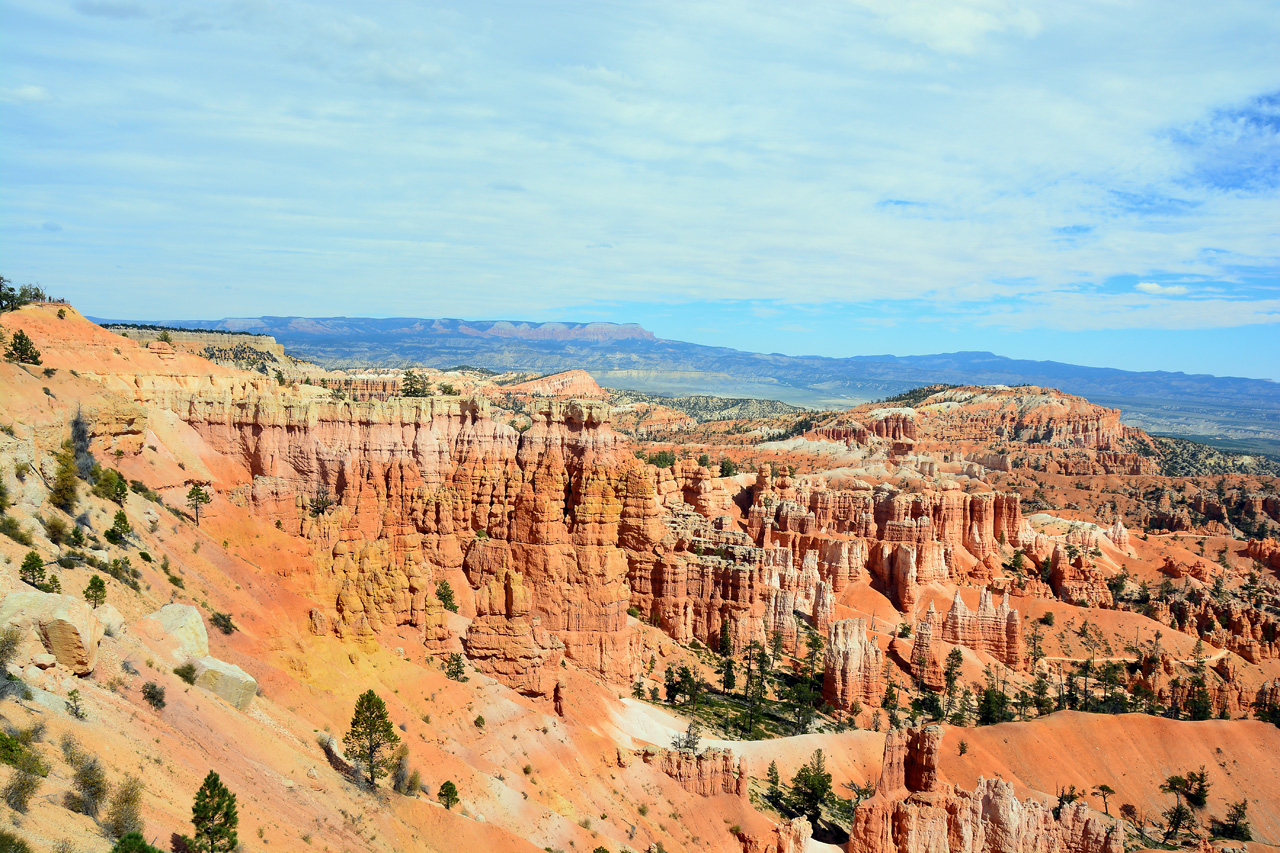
(711, 772)
(430, 485)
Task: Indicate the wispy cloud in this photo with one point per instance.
(1161, 290)
(990, 162)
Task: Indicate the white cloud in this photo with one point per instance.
(457, 160)
(24, 95)
(1160, 289)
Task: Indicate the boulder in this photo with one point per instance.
(226, 680)
(67, 627)
(176, 630)
(112, 621)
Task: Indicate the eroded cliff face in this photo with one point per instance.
(915, 810)
(424, 488)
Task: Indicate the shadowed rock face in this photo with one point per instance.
(914, 810)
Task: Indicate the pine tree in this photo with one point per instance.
(444, 593)
(448, 795)
(196, 498)
(22, 350)
(133, 842)
(214, 816)
(775, 779)
(96, 592)
(63, 494)
(32, 570)
(726, 639)
(371, 734)
(811, 786)
(455, 669)
(728, 678)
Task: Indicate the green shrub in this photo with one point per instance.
(124, 815)
(154, 694)
(90, 782)
(187, 672)
(10, 527)
(11, 843)
(222, 621)
(24, 783)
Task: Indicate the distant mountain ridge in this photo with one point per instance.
(1241, 411)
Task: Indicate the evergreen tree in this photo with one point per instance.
(196, 498)
(444, 593)
(726, 639)
(951, 676)
(63, 494)
(133, 842)
(96, 592)
(1236, 825)
(448, 795)
(1040, 695)
(1104, 791)
(32, 570)
(455, 669)
(728, 678)
(811, 786)
(371, 735)
(775, 780)
(214, 816)
(22, 350)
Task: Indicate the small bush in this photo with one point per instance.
(479, 721)
(154, 694)
(10, 638)
(1047, 619)
(11, 843)
(222, 621)
(124, 815)
(24, 783)
(72, 752)
(90, 782)
(187, 672)
(10, 527)
(55, 530)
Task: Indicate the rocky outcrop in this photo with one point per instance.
(175, 630)
(915, 810)
(791, 836)
(226, 680)
(852, 667)
(994, 630)
(419, 484)
(505, 642)
(571, 383)
(711, 772)
(65, 626)
(1078, 582)
(1265, 551)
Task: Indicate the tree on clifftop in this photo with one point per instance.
(371, 735)
(196, 498)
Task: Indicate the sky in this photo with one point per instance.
(1092, 182)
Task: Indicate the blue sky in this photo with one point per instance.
(1096, 182)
